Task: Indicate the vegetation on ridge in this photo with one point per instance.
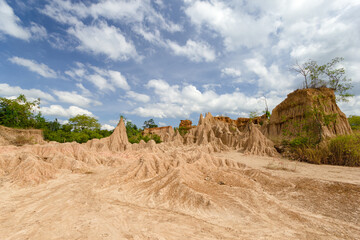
(327, 75)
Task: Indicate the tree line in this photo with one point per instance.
(21, 113)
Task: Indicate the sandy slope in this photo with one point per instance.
(187, 196)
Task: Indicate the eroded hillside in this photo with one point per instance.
(197, 186)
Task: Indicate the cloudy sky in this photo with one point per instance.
(170, 60)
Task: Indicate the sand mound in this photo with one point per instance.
(255, 143)
(31, 170)
(117, 141)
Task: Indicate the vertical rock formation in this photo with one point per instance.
(307, 112)
(118, 140)
(224, 135)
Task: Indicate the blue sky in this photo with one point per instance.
(170, 60)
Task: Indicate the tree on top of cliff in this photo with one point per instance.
(150, 124)
(81, 122)
(327, 75)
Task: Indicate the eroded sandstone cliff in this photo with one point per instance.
(307, 112)
(20, 136)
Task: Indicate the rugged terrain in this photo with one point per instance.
(215, 182)
(187, 195)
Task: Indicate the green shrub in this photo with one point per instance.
(345, 150)
(138, 137)
(341, 150)
(183, 131)
(299, 142)
(354, 122)
(156, 138)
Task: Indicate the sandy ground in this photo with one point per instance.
(260, 198)
(293, 169)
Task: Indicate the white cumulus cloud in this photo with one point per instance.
(11, 91)
(195, 51)
(173, 101)
(232, 72)
(75, 98)
(39, 68)
(236, 26)
(138, 96)
(10, 24)
(118, 79)
(103, 79)
(270, 77)
(107, 127)
(104, 39)
(59, 111)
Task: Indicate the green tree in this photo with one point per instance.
(254, 114)
(327, 75)
(131, 128)
(354, 122)
(150, 124)
(18, 112)
(84, 122)
(337, 79)
(40, 121)
(53, 125)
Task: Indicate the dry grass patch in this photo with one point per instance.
(21, 140)
(281, 165)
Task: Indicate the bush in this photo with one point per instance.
(345, 150)
(299, 142)
(156, 138)
(354, 122)
(316, 155)
(341, 150)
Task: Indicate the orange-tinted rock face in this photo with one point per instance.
(307, 112)
(185, 124)
(165, 133)
(224, 119)
(156, 130)
(240, 123)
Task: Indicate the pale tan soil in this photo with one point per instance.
(186, 194)
(289, 168)
(179, 189)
